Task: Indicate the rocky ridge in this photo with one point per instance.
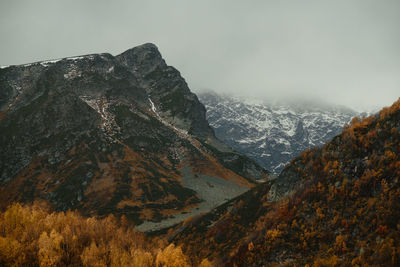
(110, 134)
(273, 133)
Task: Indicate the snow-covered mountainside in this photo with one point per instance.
(273, 133)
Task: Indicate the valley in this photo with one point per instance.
(113, 161)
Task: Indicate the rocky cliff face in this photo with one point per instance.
(107, 134)
(273, 134)
(167, 90)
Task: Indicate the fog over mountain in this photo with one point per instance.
(112, 153)
(273, 133)
(344, 52)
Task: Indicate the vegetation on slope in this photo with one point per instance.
(32, 236)
(343, 211)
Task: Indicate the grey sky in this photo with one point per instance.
(342, 51)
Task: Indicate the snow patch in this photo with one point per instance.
(154, 110)
(72, 73)
(181, 133)
(110, 69)
(49, 62)
(108, 125)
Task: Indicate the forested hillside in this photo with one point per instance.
(32, 236)
(338, 205)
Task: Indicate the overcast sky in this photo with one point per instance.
(341, 51)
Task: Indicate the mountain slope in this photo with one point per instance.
(338, 205)
(121, 135)
(273, 133)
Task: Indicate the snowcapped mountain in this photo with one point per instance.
(273, 133)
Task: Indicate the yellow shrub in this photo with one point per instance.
(50, 252)
(171, 256)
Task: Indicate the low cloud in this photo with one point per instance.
(345, 52)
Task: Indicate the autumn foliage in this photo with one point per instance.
(32, 236)
(345, 213)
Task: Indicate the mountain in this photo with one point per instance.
(335, 205)
(109, 134)
(273, 133)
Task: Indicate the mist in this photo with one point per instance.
(342, 52)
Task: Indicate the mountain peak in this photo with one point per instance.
(122, 135)
(272, 133)
(145, 57)
(147, 48)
